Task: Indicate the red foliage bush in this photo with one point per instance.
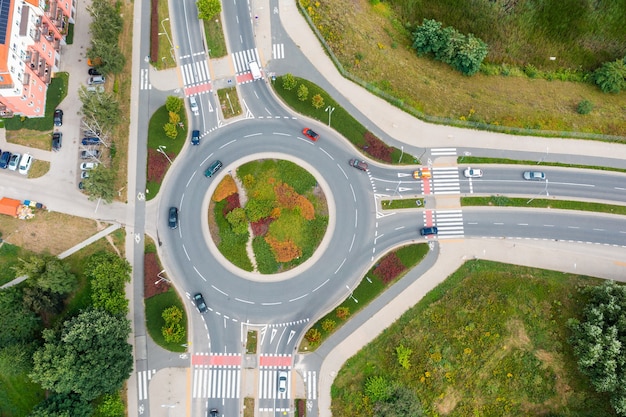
(151, 269)
(154, 31)
(389, 268)
(232, 202)
(261, 227)
(377, 148)
(157, 165)
(301, 406)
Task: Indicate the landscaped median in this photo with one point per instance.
(309, 99)
(388, 270)
(504, 201)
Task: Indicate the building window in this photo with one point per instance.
(49, 54)
(40, 88)
(37, 110)
(43, 46)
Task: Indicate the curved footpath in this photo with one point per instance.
(594, 260)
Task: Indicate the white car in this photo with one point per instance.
(88, 166)
(14, 161)
(193, 104)
(282, 381)
(473, 173)
(25, 164)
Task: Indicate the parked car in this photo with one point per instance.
(362, 165)
(57, 138)
(534, 175)
(309, 133)
(473, 173)
(14, 161)
(195, 137)
(58, 117)
(172, 220)
(282, 381)
(90, 154)
(84, 174)
(81, 186)
(429, 231)
(94, 71)
(193, 104)
(91, 141)
(25, 162)
(214, 412)
(213, 168)
(96, 80)
(88, 166)
(5, 157)
(199, 300)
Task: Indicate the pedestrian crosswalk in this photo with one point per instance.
(445, 180)
(310, 378)
(268, 384)
(195, 73)
(278, 51)
(216, 382)
(242, 59)
(443, 151)
(142, 383)
(144, 83)
(449, 222)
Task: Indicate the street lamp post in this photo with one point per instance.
(160, 149)
(401, 154)
(330, 111)
(352, 295)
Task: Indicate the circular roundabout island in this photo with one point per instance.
(268, 216)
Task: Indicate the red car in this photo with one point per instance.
(310, 134)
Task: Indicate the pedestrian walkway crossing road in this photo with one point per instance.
(278, 51)
(446, 180)
(195, 73)
(443, 151)
(241, 60)
(142, 383)
(268, 384)
(216, 382)
(310, 378)
(145, 80)
(449, 222)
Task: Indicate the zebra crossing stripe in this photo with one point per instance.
(443, 151)
(142, 383)
(278, 51)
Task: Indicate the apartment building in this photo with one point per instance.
(31, 34)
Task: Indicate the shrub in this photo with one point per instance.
(389, 268)
(284, 251)
(404, 356)
(286, 196)
(151, 269)
(232, 202)
(170, 130)
(225, 188)
(584, 107)
(377, 148)
(173, 331)
(611, 76)
(289, 82)
(317, 101)
(531, 71)
(306, 208)
(342, 313)
(303, 92)
(174, 118)
(260, 227)
(328, 325)
(173, 104)
(238, 221)
(313, 336)
(377, 389)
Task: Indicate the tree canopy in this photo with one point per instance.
(599, 341)
(88, 356)
(611, 76)
(48, 273)
(108, 274)
(208, 9)
(18, 324)
(100, 184)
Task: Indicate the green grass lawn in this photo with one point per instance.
(504, 201)
(154, 321)
(229, 100)
(216, 44)
(491, 340)
(9, 257)
(57, 90)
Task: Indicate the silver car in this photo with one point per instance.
(282, 381)
(534, 176)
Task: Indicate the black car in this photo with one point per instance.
(90, 154)
(58, 117)
(91, 141)
(195, 137)
(199, 300)
(94, 71)
(173, 218)
(4, 159)
(56, 141)
(213, 412)
(429, 231)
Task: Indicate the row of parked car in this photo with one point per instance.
(16, 162)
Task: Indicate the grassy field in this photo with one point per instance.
(491, 340)
(402, 203)
(229, 100)
(167, 55)
(154, 321)
(372, 43)
(31, 138)
(216, 44)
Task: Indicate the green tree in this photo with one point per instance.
(208, 9)
(170, 130)
(598, 341)
(63, 405)
(174, 117)
(173, 104)
(106, 23)
(470, 55)
(111, 405)
(303, 92)
(108, 274)
(428, 37)
(17, 323)
(173, 331)
(101, 109)
(48, 273)
(109, 52)
(15, 360)
(100, 184)
(342, 312)
(289, 82)
(257, 209)
(42, 302)
(313, 336)
(89, 356)
(611, 76)
(238, 221)
(317, 101)
(401, 402)
(329, 325)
